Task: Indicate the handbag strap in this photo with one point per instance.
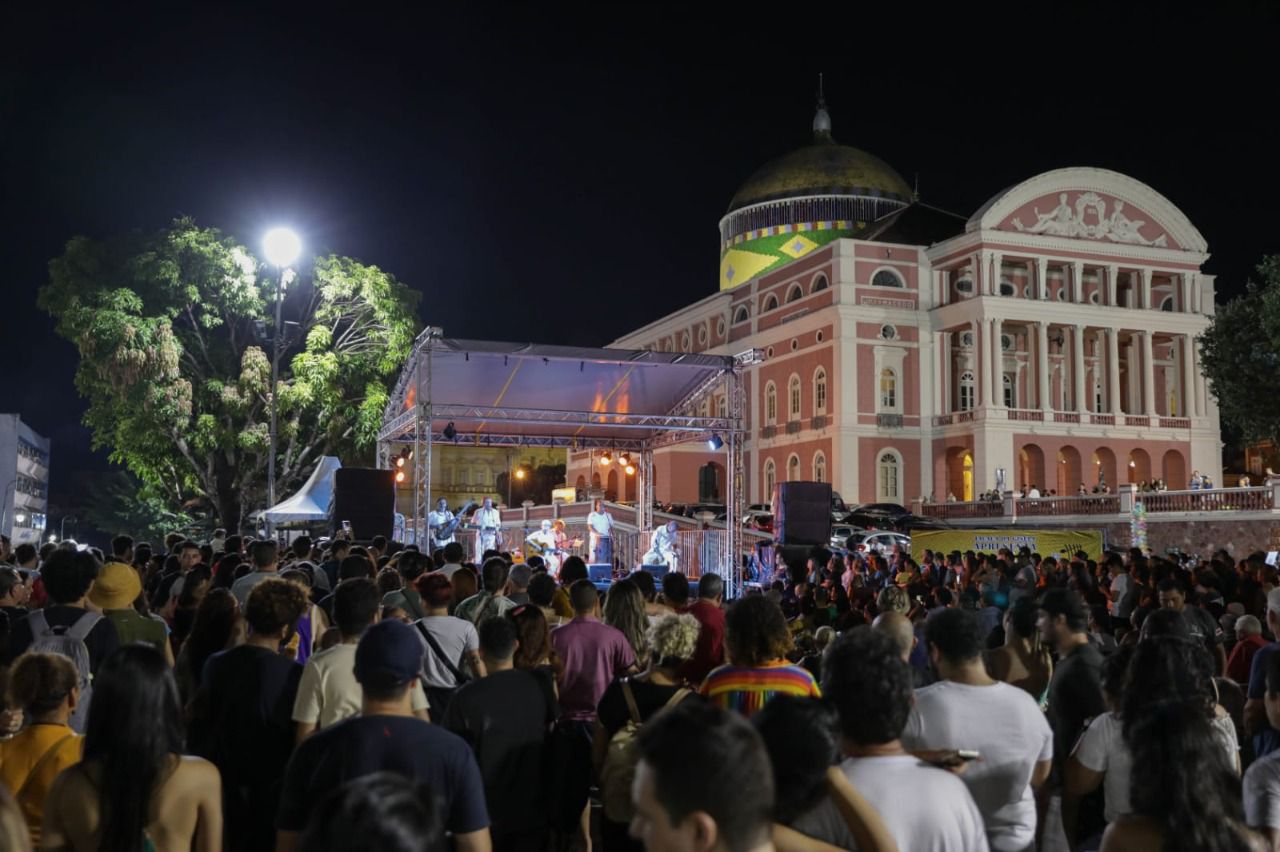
(40, 764)
(440, 655)
(630, 698)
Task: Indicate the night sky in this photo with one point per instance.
(552, 175)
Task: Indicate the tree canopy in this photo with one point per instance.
(175, 330)
(1240, 355)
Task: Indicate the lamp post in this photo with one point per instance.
(62, 528)
(282, 247)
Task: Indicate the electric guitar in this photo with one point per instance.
(444, 532)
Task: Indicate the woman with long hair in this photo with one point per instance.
(135, 790)
(46, 688)
(624, 610)
(216, 627)
(535, 650)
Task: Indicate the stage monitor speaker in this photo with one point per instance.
(599, 572)
(367, 498)
(802, 513)
(655, 571)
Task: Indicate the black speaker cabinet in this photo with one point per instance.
(367, 498)
(802, 513)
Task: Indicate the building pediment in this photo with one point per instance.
(1089, 204)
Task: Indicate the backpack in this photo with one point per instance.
(623, 754)
(69, 643)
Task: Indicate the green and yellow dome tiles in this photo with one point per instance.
(822, 170)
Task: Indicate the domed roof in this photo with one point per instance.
(823, 168)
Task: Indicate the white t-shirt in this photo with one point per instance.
(1262, 792)
(486, 519)
(439, 519)
(1102, 749)
(1005, 726)
(329, 691)
(455, 636)
(926, 809)
(600, 523)
(241, 588)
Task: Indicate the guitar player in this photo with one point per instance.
(440, 522)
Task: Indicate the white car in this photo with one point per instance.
(880, 542)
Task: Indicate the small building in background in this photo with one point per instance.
(24, 481)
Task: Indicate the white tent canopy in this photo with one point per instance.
(311, 503)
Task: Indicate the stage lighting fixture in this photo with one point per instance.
(714, 442)
(449, 432)
(606, 459)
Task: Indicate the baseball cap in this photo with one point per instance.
(389, 655)
(117, 586)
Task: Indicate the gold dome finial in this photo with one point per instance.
(821, 119)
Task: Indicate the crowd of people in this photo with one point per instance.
(236, 694)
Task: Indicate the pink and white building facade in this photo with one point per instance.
(1048, 340)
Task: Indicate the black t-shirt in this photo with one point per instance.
(650, 698)
(102, 640)
(1075, 695)
(363, 745)
(505, 718)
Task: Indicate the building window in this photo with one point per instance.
(820, 391)
(819, 283)
(889, 470)
(966, 339)
(720, 325)
(722, 405)
(819, 467)
(1167, 304)
(795, 293)
(1007, 288)
(793, 468)
(888, 332)
(964, 285)
(770, 403)
(1006, 342)
(793, 396)
(684, 342)
(888, 390)
(770, 478)
(966, 391)
(702, 335)
(1097, 397)
(886, 278)
(770, 303)
(1010, 397)
(741, 315)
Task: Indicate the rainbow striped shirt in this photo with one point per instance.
(748, 689)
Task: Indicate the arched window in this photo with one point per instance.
(793, 468)
(886, 278)
(741, 314)
(819, 283)
(1010, 398)
(964, 285)
(1167, 304)
(770, 478)
(889, 478)
(793, 397)
(888, 389)
(770, 303)
(770, 403)
(795, 293)
(966, 391)
(722, 405)
(1007, 288)
(819, 467)
(820, 391)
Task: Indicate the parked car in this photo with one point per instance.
(879, 541)
(759, 521)
(879, 516)
(921, 522)
(840, 535)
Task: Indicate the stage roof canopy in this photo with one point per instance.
(502, 394)
(311, 503)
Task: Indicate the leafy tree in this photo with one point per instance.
(117, 503)
(174, 331)
(1240, 355)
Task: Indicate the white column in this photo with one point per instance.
(1113, 369)
(1042, 278)
(983, 265)
(997, 272)
(1077, 282)
(1113, 272)
(944, 372)
(1145, 274)
(1148, 375)
(1077, 368)
(1187, 397)
(1042, 366)
(1184, 292)
(985, 365)
(997, 365)
(979, 382)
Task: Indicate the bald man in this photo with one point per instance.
(899, 628)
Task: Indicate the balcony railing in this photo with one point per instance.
(968, 509)
(768, 431)
(1130, 420)
(944, 419)
(1102, 419)
(793, 427)
(1175, 423)
(1065, 417)
(1217, 500)
(1031, 414)
(1103, 504)
(819, 421)
(889, 421)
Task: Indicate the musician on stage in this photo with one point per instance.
(662, 547)
(600, 523)
(488, 522)
(440, 523)
(544, 540)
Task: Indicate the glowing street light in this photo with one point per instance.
(282, 247)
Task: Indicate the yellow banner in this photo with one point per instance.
(1053, 543)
